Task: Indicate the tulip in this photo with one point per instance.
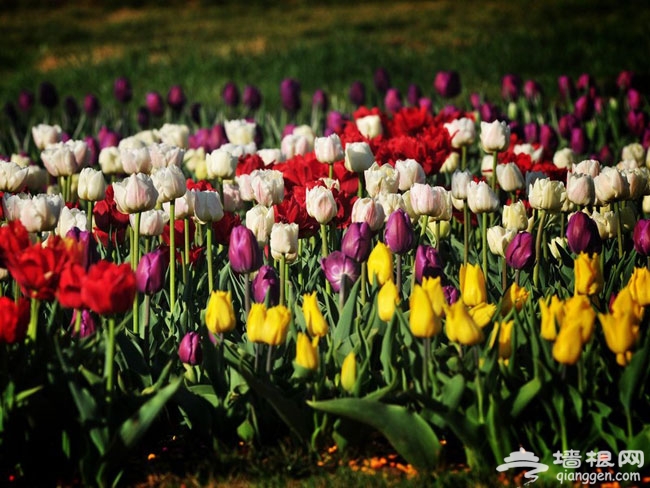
(260, 220)
(176, 98)
(578, 311)
(349, 372)
(290, 95)
(380, 264)
(14, 319)
(472, 285)
(546, 194)
(358, 156)
(498, 239)
(255, 322)
(393, 100)
(12, 177)
(338, 266)
(588, 275)
(639, 286)
(328, 149)
(423, 322)
(580, 189)
(170, 183)
(495, 136)
(514, 216)
(266, 285)
(427, 263)
(637, 180)
(510, 177)
(460, 181)
(163, 155)
(582, 234)
(71, 218)
(244, 253)
(409, 172)
(122, 90)
(155, 103)
(314, 320)
(26, 100)
(568, 345)
(207, 206)
(611, 185)
(481, 198)
(482, 313)
(381, 179)
(306, 353)
(189, 350)
(136, 193)
(230, 94)
(447, 84)
(284, 241)
(150, 273)
(520, 253)
(460, 326)
(579, 142)
(387, 299)
(109, 288)
(86, 326)
(276, 325)
(436, 293)
(220, 315)
(516, 297)
(356, 241)
(619, 331)
(40, 213)
(432, 201)
(399, 235)
(320, 204)
(552, 314)
(462, 132)
(91, 185)
(252, 97)
(370, 211)
(267, 187)
(59, 160)
(503, 333)
(369, 126)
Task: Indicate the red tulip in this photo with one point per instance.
(109, 288)
(14, 318)
(70, 286)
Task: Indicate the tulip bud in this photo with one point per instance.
(381, 179)
(122, 90)
(510, 177)
(580, 189)
(447, 84)
(91, 185)
(588, 275)
(641, 237)
(337, 267)
(70, 218)
(252, 97)
(461, 327)
(314, 320)
(163, 155)
(290, 95)
(207, 206)
(380, 264)
(276, 325)
(349, 372)
(546, 194)
(427, 263)
(306, 353)
(320, 204)
(460, 181)
(12, 177)
(611, 185)
(520, 253)
(387, 299)
(239, 132)
(220, 315)
(409, 171)
(150, 273)
(498, 239)
(433, 201)
(260, 220)
(399, 235)
(284, 241)
(552, 313)
(267, 187)
(472, 285)
(244, 253)
(230, 94)
(136, 193)
(189, 350)
(515, 217)
(358, 157)
(568, 345)
(481, 198)
(328, 149)
(582, 234)
(495, 136)
(423, 322)
(462, 132)
(266, 285)
(370, 211)
(356, 241)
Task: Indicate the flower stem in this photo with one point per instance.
(209, 256)
(494, 171)
(135, 258)
(110, 357)
(32, 329)
(247, 294)
(186, 261)
(342, 292)
(172, 256)
(425, 364)
(538, 246)
(484, 243)
(330, 170)
(619, 229)
(466, 225)
(269, 359)
(283, 278)
(398, 279)
(463, 158)
(323, 235)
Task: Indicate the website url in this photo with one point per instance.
(593, 478)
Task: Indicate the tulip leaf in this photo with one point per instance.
(344, 326)
(136, 426)
(408, 433)
(524, 396)
(452, 391)
(632, 377)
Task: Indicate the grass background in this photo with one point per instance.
(83, 46)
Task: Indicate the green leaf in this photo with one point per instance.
(452, 392)
(344, 326)
(631, 378)
(206, 392)
(23, 395)
(524, 396)
(407, 432)
(135, 427)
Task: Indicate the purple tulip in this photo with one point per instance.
(356, 242)
(641, 237)
(510, 86)
(244, 252)
(290, 95)
(579, 140)
(447, 84)
(585, 82)
(266, 285)
(475, 100)
(320, 100)
(566, 124)
(25, 100)
(489, 112)
(382, 80)
(566, 87)
(634, 99)
(520, 253)
(218, 136)
(626, 80)
(531, 132)
(399, 235)
(91, 105)
(393, 100)
(252, 97)
(337, 266)
(189, 350)
(93, 147)
(582, 234)
(87, 245)
(427, 263)
(143, 117)
(548, 138)
(155, 103)
(176, 98)
(230, 94)
(357, 93)
(637, 121)
(71, 107)
(107, 138)
(150, 273)
(426, 103)
(122, 90)
(335, 121)
(452, 295)
(584, 108)
(48, 96)
(605, 156)
(413, 94)
(532, 90)
(87, 324)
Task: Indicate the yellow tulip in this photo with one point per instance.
(316, 324)
(460, 326)
(625, 304)
(624, 358)
(618, 332)
(276, 325)
(387, 299)
(255, 322)
(568, 345)
(422, 319)
(472, 285)
(349, 372)
(380, 264)
(579, 312)
(433, 287)
(588, 275)
(220, 315)
(503, 330)
(639, 285)
(483, 313)
(515, 297)
(552, 314)
(306, 352)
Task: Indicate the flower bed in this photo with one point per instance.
(466, 280)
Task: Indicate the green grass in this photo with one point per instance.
(83, 48)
